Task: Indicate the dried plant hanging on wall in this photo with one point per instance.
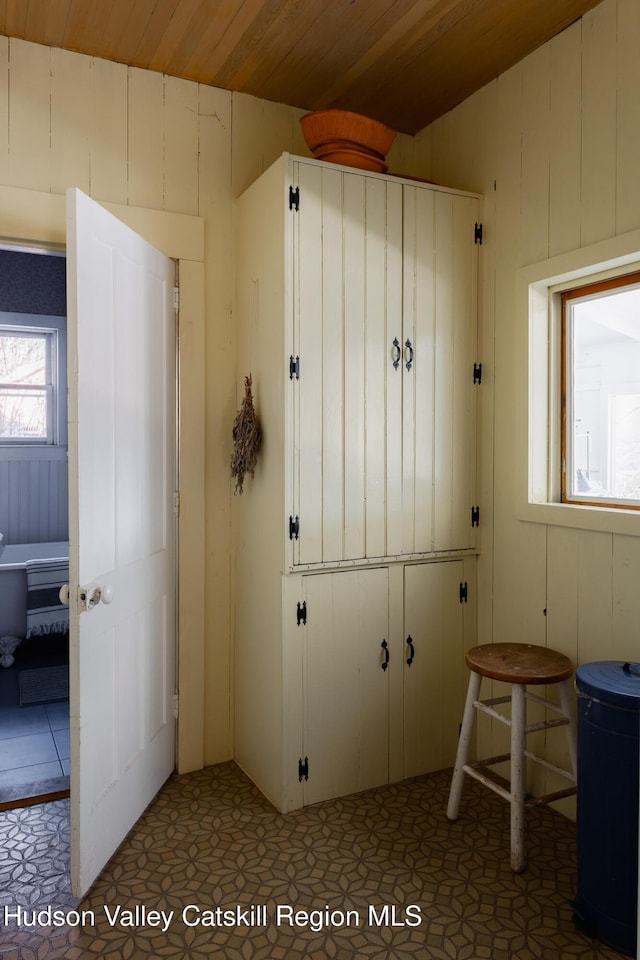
(246, 439)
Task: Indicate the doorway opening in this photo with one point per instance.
(34, 526)
(113, 688)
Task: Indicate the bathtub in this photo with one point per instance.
(13, 587)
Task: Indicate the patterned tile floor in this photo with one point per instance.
(211, 840)
(34, 740)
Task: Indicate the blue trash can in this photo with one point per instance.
(607, 809)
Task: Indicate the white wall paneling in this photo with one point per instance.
(29, 130)
(565, 132)
(599, 122)
(145, 133)
(562, 148)
(107, 132)
(627, 116)
(180, 122)
(34, 500)
(71, 105)
(534, 202)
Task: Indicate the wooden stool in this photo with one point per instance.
(520, 665)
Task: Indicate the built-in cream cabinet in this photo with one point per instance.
(356, 538)
(383, 284)
(380, 653)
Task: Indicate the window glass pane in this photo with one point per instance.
(625, 426)
(26, 390)
(23, 413)
(603, 402)
(23, 359)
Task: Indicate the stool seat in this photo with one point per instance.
(519, 663)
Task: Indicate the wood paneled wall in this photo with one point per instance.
(135, 137)
(34, 501)
(554, 146)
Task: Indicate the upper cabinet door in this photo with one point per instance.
(439, 351)
(347, 284)
(384, 308)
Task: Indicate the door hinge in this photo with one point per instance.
(301, 614)
(176, 701)
(464, 592)
(475, 516)
(176, 502)
(303, 769)
(176, 298)
(477, 373)
(294, 198)
(477, 233)
(294, 368)
(294, 528)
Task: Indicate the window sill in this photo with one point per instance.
(580, 517)
(40, 451)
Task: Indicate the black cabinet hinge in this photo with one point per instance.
(464, 592)
(303, 769)
(477, 233)
(294, 198)
(301, 614)
(477, 373)
(475, 516)
(294, 368)
(294, 528)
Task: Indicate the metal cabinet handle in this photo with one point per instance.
(411, 649)
(409, 346)
(385, 647)
(396, 353)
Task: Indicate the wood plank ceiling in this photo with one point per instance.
(404, 62)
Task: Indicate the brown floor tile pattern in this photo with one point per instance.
(211, 839)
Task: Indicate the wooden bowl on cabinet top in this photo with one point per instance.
(340, 136)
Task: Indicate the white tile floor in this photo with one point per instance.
(34, 740)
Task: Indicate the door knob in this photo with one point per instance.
(63, 594)
(107, 593)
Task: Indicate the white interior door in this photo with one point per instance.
(121, 324)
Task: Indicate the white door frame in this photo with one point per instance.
(33, 219)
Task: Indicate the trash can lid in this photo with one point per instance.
(611, 681)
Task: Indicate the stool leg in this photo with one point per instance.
(462, 755)
(568, 708)
(518, 775)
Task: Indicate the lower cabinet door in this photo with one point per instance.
(345, 683)
(434, 673)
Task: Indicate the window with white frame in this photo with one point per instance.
(576, 446)
(600, 393)
(29, 384)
